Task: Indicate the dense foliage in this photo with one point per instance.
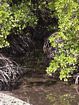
(14, 15)
(22, 13)
(66, 40)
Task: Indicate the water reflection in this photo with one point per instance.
(55, 94)
(40, 90)
(66, 99)
(77, 88)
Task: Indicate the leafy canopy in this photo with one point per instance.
(66, 40)
(19, 15)
(12, 15)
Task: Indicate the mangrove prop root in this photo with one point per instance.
(10, 73)
(76, 80)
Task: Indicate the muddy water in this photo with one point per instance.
(44, 91)
(38, 89)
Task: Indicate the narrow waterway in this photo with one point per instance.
(38, 89)
(42, 91)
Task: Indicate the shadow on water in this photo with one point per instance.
(38, 89)
(42, 91)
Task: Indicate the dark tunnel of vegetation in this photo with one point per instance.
(29, 25)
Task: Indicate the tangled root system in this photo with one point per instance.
(10, 73)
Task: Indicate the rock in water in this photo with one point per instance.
(10, 100)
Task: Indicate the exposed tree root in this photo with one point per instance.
(10, 73)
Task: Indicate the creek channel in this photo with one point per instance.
(39, 89)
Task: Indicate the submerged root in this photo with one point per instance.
(10, 73)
